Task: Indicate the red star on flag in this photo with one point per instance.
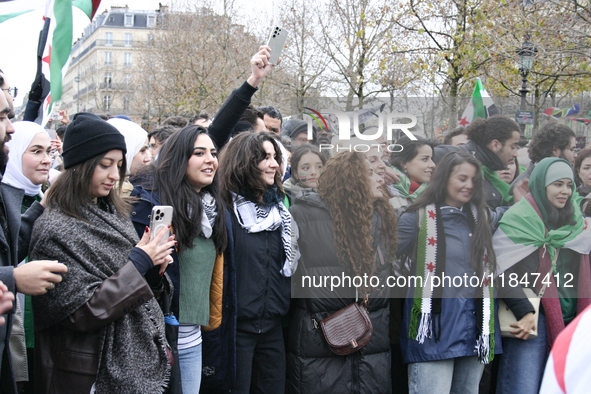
(47, 59)
(431, 214)
(432, 241)
(431, 267)
(464, 122)
(486, 282)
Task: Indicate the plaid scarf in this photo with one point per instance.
(427, 301)
(257, 217)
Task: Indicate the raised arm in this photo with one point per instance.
(227, 117)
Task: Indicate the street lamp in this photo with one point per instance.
(526, 55)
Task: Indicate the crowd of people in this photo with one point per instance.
(92, 301)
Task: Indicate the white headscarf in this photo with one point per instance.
(135, 137)
(24, 132)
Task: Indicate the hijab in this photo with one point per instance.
(24, 132)
(135, 138)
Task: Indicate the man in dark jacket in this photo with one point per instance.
(494, 142)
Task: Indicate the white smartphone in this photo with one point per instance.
(161, 217)
(276, 43)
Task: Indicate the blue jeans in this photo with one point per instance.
(190, 364)
(459, 375)
(523, 362)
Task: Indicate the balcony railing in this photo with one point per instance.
(108, 43)
(115, 86)
(117, 43)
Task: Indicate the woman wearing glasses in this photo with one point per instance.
(30, 158)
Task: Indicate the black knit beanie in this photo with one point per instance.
(88, 136)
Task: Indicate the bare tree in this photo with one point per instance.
(192, 62)
(353, 36)
(445, 40)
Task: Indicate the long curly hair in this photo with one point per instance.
(344, 186)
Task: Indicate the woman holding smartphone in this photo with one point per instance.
(100, 329)
(184, 177)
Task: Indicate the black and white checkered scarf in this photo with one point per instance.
(256, 218)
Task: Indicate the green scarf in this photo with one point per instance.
(403, 187)
(522, 224)
(502, 186)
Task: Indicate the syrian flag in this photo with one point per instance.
(568, 368)
(481, 106)
(53, 53)
(512, 241)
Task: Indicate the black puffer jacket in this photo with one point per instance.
(263, 293)
(311, 366)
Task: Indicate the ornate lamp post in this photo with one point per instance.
(526, 55)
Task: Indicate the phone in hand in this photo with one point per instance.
(276, 42)
(161, 217)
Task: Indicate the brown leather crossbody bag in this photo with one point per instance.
(347, 330)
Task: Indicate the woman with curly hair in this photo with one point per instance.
(345, 230)
(260, 229)
(449, 331)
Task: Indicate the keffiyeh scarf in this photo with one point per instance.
(256, 218)
(208, 214)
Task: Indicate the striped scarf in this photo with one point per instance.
(431, 263)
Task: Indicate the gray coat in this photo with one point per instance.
(11, 252)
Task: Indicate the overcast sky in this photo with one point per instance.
(20, 36)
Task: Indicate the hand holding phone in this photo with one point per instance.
(276, 43)
(161, 217)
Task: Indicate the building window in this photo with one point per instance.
(108, 58)
(107, 102)
(108, 80)
(109, 39)
(128, 40)
(128, 20)
(126, 102)
(151, 20)
(127, 59)
(127, 78)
